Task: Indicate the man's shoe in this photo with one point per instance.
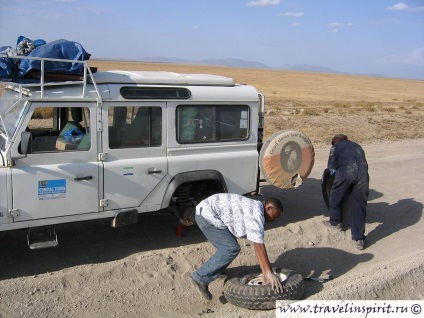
(202, 289)
(337, 227)
(360, 244)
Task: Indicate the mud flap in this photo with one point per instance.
(125, 218)
(286, 159)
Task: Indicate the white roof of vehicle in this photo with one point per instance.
(160, 77)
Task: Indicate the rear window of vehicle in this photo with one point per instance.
(212, 123)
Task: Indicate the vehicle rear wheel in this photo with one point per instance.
(247, 291)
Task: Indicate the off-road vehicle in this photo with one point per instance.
(114, 144)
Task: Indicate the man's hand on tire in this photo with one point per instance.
(271, 278)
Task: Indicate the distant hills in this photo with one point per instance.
(222, 62)
(238, 63)
(242, 63)
(308, 68)
(249, 64)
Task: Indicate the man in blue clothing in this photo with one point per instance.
(225, 217)
(348, 165)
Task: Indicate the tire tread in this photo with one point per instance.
(263, 297)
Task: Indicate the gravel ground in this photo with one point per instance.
(142, 270)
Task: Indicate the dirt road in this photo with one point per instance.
(142, 270)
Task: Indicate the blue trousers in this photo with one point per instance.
(227, 250)
(357, 187)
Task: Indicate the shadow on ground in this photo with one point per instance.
(96, 242)
(307, 202)
(91, 242)
(314, 262)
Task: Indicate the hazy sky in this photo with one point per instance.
(382, 37)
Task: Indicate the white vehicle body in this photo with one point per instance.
(115, 144)
(191, 150)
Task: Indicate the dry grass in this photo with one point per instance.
(298, 86)
(367, 109)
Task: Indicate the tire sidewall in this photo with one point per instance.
(238, 291)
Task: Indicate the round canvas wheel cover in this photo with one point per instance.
(286, 159)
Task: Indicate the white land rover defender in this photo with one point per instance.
(114, 144)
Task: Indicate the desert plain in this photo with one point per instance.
(142, 270)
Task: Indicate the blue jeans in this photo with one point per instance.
(227, 250)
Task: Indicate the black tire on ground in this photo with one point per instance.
(286, 159)
(326, 184)
(248, 292)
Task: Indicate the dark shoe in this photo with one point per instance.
(202, 289)
(337, 227)
(360, 244)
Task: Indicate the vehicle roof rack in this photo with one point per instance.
(161, 78)
(42, 78)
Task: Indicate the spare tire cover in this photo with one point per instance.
(286, 159)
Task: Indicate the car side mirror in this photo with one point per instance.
(25, 146)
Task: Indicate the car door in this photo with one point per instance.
(134, 147)
(60, 177)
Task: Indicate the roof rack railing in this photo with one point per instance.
(87, 73)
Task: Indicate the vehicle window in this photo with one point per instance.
(155, 92)
(209, 123)
(135, 127)
(11, 110)
(56, 129)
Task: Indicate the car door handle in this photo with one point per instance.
(154, 171)
(83, 178)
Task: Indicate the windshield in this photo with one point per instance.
(11, 110)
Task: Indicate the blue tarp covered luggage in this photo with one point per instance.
(6, 64)
(59, 49)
